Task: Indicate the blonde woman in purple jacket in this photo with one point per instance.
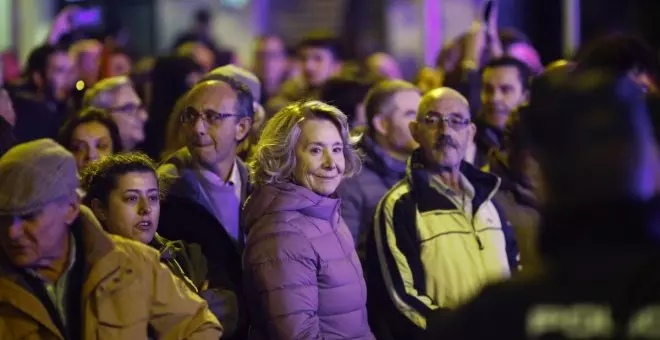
(302, 273)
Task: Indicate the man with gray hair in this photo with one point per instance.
(117, 96)
(209, 182)
(253, 83)
(62, 276)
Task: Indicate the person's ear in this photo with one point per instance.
(99, 211)
(73, 209)
(525, 98)
(337, 67)
(243, 127)
(380, 125)
(472, 131)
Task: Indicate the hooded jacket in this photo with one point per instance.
(302, 274)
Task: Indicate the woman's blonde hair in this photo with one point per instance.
(101, 95)
(274, 159)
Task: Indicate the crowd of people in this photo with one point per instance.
(313, 197)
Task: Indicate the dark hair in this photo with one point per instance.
(325, 41)
(168, 84)
(290, 51)
(38, 59)
(101, 177)
(619, 53)
(121, 51)
(87, 116)
(202, 16)
(244, 97)
(345, 93)
(380, 96)
(509, 36)
(517, 143)
(506, 61)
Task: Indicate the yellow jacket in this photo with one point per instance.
(125, 290)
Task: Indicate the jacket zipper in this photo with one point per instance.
(481, 245)
(474, 214)
(476, 236)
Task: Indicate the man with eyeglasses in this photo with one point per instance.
(438, 238)
(208, 184)
(117, 96)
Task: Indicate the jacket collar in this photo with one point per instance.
(96, 245)
(181, 180)
(485, 185)
(165, 247)
(289, 197)
(96, 242)
(377, 160)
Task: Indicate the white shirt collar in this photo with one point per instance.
(440, 186)
(233, 180)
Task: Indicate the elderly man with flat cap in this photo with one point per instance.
(63, 277)
(438, 237)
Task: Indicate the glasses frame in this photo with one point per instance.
(454, 123)
(122, 109)
(209, 117)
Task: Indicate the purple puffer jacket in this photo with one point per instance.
(302, 274)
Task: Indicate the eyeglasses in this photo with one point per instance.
(130, 108)
(189, 116)
(456, 123)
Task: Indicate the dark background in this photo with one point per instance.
(541, 20)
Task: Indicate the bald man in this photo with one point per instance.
(209, 184)
(438, 238)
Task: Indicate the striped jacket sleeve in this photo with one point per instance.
(399, 256)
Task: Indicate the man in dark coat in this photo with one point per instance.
(208, 183)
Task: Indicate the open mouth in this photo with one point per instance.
(144, 225)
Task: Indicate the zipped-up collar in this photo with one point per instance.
(485, 185)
